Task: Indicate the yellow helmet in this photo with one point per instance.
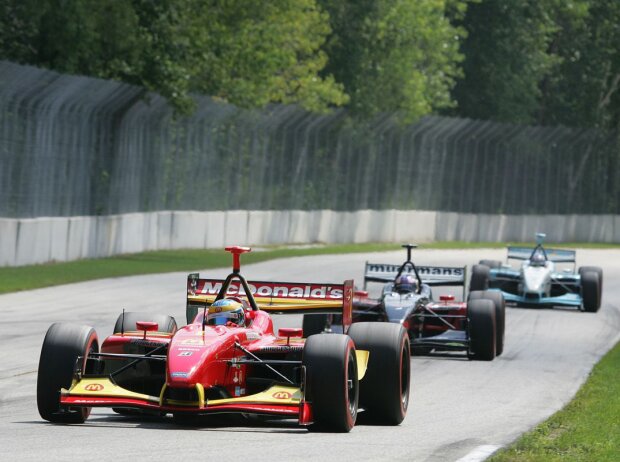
(224, 311)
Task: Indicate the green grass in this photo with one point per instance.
(587, 429)
(35, 276)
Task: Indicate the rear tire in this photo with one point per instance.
(479, 278)
(500, 314)
(384, 390)
(127, 322)
(481, 326)
(590, 291)
(62, 345)
(493, 264)
(331, 381)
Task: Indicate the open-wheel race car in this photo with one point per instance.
(227, 359)
(475, 326)
(538, 282)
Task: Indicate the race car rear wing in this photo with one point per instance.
(554, 255)
(275, 297)
(431, 275)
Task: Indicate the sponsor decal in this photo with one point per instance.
(280, 348)
(252, 335)
(180, 375)
(186, 353)
(282, 395)
(422, 270)
(145, 343)
(192, 341)
(188, 349)
(94, 387)
(275, 290)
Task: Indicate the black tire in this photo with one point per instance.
(384, 390)
(599, 272)
(590, 292)
(62, 345)
(313, 324)
(331, 381)
(127, 322)
(500, 314)
(493, 264)
(481, 326)
(479, 278)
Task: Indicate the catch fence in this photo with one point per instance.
(74, 146)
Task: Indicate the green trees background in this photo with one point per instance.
(524, 61)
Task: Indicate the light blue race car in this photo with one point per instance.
(537, 282)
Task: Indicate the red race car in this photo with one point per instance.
(228, 360)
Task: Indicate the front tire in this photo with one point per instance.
(62, 345)
(314, 324)
(126, 322)
(331, 381)
(500, 314)
(599, 273)
(590, 292)
(493, 264)
(481, 327)
(384, 390)
(480, 275)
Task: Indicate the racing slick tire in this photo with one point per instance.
(493, 264)
(481, 327)
(599, 272)
(590, 291)
(384, 389)
(479, 278)
(62, 345)
(126, 322)
(313, 324)
(332, 385)
(500, 314)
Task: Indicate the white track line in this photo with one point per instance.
(480, 453)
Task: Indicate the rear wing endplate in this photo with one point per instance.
(554, 255)
(276, 297)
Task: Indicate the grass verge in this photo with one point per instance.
(587, 429)
(14, 279)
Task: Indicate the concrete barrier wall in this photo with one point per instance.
(40, 240)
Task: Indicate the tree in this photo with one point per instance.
(233, 50)
(394, 55)
(585, 90)
(507, 58)
(252, 55)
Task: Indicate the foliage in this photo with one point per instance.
(251, 56)
(585, 90)
(542, 61)
(232, 50)
(520, 61)
(394, 55)
(506, 59)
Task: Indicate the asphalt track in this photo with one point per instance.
(459, 408)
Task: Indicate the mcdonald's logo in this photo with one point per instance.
(282, 395)
(93, 387)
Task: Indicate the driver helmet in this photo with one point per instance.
(538, 259)
(405, 283)
(226, 311)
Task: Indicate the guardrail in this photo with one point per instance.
(40, 240)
